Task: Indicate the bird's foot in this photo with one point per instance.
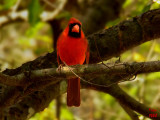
(59, 69)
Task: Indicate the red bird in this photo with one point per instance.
(72, 48)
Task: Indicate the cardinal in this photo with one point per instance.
(73, 49)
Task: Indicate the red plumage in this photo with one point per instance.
(72, 48)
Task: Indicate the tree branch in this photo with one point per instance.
(39, 79)
(121, 70)
(128, 34)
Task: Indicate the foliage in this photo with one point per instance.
(7, 4)
(34, 10)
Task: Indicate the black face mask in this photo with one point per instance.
(74, 34)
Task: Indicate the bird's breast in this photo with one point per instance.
(72, 51)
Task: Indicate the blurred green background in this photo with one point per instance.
(25, 41)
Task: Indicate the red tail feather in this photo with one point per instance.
(73, 92)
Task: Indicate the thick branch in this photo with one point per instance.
(128, 34)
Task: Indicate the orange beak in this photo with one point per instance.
(75, 29)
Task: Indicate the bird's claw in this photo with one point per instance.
(60, 67)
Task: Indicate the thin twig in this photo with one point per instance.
(15, 7)
(50, 4)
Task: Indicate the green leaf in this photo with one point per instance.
(127, 3)
(147, 7)
(35, 10)
(8, 4)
